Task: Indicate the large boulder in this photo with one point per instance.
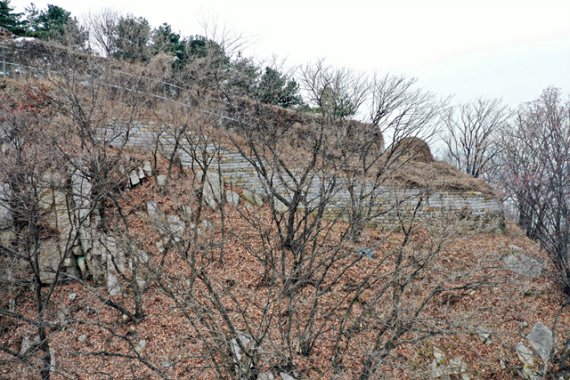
(50, 260)
(523, 264)
(213, 193)
(541, 340)
(6, 218)
(252, 198)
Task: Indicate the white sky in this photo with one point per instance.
(510, 49)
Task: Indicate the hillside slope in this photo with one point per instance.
(130, 263)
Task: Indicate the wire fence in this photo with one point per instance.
(167, 91)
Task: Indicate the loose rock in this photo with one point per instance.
(541, 340)
(232, 198)
(161, 182)
(134, 178)
(523, 265)
(147, 168)
(252, 198)
(525, 354)
(151, 208)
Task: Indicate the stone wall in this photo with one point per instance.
(79, 249)
(475, 209)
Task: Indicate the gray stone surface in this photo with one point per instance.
(112, 282)
(141, 173)
(82, 266)
(280, 207)
(523, 264)
(140, 346)
(187, 212)
(441, 368)
(213, 190)
(252, 198)
(81, 192)
(541, 340)
(484, 335)
(206, 225)
(52, 363)
(49, 258)
(240, 359)
(232, 198)
(26, 345)
(152, 209)
(104, 262)
(134, 178)
(147, 168)
(175, 226)
(161, 181)
(525, 354)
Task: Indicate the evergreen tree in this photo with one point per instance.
(244, 75)
(164, 40)
(201, 51)
(10, 20)
(275, 88)
(56, 24)
(132, 39)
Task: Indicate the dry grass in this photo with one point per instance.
(507, 308)
(414, 148)
(437, 175)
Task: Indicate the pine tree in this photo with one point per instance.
(132, 39)
(164, 40)
(56, 24)
(275, 88)
(10, 20)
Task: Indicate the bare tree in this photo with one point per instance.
(401, 117)
(471, 131)
(102, 28)
(308, 286)
(306, 251)
(25, 164)
(535, 152)
(336, 93)
(63, 165)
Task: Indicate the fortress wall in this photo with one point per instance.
(475, 210)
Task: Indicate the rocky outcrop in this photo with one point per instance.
(71, 245)
(6, 219)
(541, 340)
(518, 262)
(213, 193)
(444, 368)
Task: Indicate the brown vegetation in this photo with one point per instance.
(213, 290)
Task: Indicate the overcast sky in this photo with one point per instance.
(466, 48)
